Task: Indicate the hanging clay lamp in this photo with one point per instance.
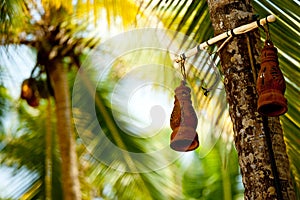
(29, 92)
(183, 121)
(270, 84)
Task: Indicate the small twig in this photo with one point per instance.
(251, 58)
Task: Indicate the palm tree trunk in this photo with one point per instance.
(70, 180)
(48, 156)
(250, 137)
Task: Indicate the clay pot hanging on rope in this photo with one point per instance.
(183, 121)
(270, 84)
(29, 92)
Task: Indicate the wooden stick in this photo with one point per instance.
(236, 31)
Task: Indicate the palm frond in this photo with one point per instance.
(126, 156)
(4, 105)
(210, 177)
(24, 151)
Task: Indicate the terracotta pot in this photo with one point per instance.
(26, 90)
(183, 121)
(29, 92)
(270, 84)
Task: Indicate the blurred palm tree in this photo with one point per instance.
(54, 30)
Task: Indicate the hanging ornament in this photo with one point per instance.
(183, 119)
(29, 92)
(26, 90)
(270, 83)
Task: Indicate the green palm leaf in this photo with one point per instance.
(25, 152)
(116, 148)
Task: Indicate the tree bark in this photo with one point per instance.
(240, 86)
(59, 82)
(48, 153)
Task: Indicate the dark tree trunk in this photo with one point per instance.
(240, 86)
(70, 180)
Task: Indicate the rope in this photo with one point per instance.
(272, 159)
(182, 67)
